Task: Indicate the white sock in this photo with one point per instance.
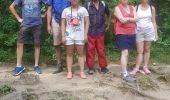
(125, 73)
(19, 66)
(35, 65)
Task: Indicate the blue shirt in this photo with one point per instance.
(57, 8)
(31, 12)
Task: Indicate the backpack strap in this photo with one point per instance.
(151, 8)
(137, 8)
(88, 5)
(104, 4)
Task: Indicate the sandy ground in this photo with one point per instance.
(48, 86)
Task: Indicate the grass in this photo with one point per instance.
(5, 89)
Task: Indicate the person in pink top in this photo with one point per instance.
(124, 27)
(146, 33)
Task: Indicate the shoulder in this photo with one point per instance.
(66, 9)
(83, 8)
(153, 8)
(117, 8)
(132, 7)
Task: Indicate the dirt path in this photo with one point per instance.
(50, 86)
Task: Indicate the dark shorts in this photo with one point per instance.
(125, 41)
(33, 33)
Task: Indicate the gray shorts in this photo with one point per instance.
(56, 32)
(33, 33)
(145, 34)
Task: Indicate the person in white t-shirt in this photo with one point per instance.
(74, 28)
(146, 32)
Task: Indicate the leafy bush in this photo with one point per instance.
(10, 27)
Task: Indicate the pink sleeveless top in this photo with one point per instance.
(127, 28)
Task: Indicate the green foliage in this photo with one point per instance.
(5, 89)
(10, 28)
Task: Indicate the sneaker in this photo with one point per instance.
(18, 70)
(128, 78)
(59, 68)
(104, 70)
(37, 70)
(91, 71)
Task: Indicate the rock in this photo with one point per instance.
(145, 82)
(30, 79)
(12, 96)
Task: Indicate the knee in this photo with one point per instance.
(81, 55)
(147, 50)
(69, 54)
(125, 52)
(139, 52)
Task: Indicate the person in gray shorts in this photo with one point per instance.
(146, 33)
(31, 22)
(54, 12)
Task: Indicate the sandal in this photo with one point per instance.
(83, 75)
(146, 70)
(69, 75)
(134, 71)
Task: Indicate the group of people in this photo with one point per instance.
(74, 26)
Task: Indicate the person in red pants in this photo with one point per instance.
(97, 10)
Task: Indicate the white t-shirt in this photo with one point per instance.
(75, 32)
(145, 18)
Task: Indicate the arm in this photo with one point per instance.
(133, 20)
(119, 16)
(109, 17)
(49, 18)
(63, 29)
(154, 22)
(87, 23)
(13, 11)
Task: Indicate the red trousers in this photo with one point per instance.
(96, 42)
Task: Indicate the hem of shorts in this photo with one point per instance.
(126, 48)
(144, 40)
(75, 44)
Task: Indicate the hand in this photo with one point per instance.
(63, 39)
(106, 29)
(49, 29)
(123, 20)
(20, 20)
(156, 37)
(85, 38)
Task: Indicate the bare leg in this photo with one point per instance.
(58, 54)
(80, 51)
(19, 53)
(139, 58)
(69, 53)
(36, 54)
(147, 56)
(124, 61)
